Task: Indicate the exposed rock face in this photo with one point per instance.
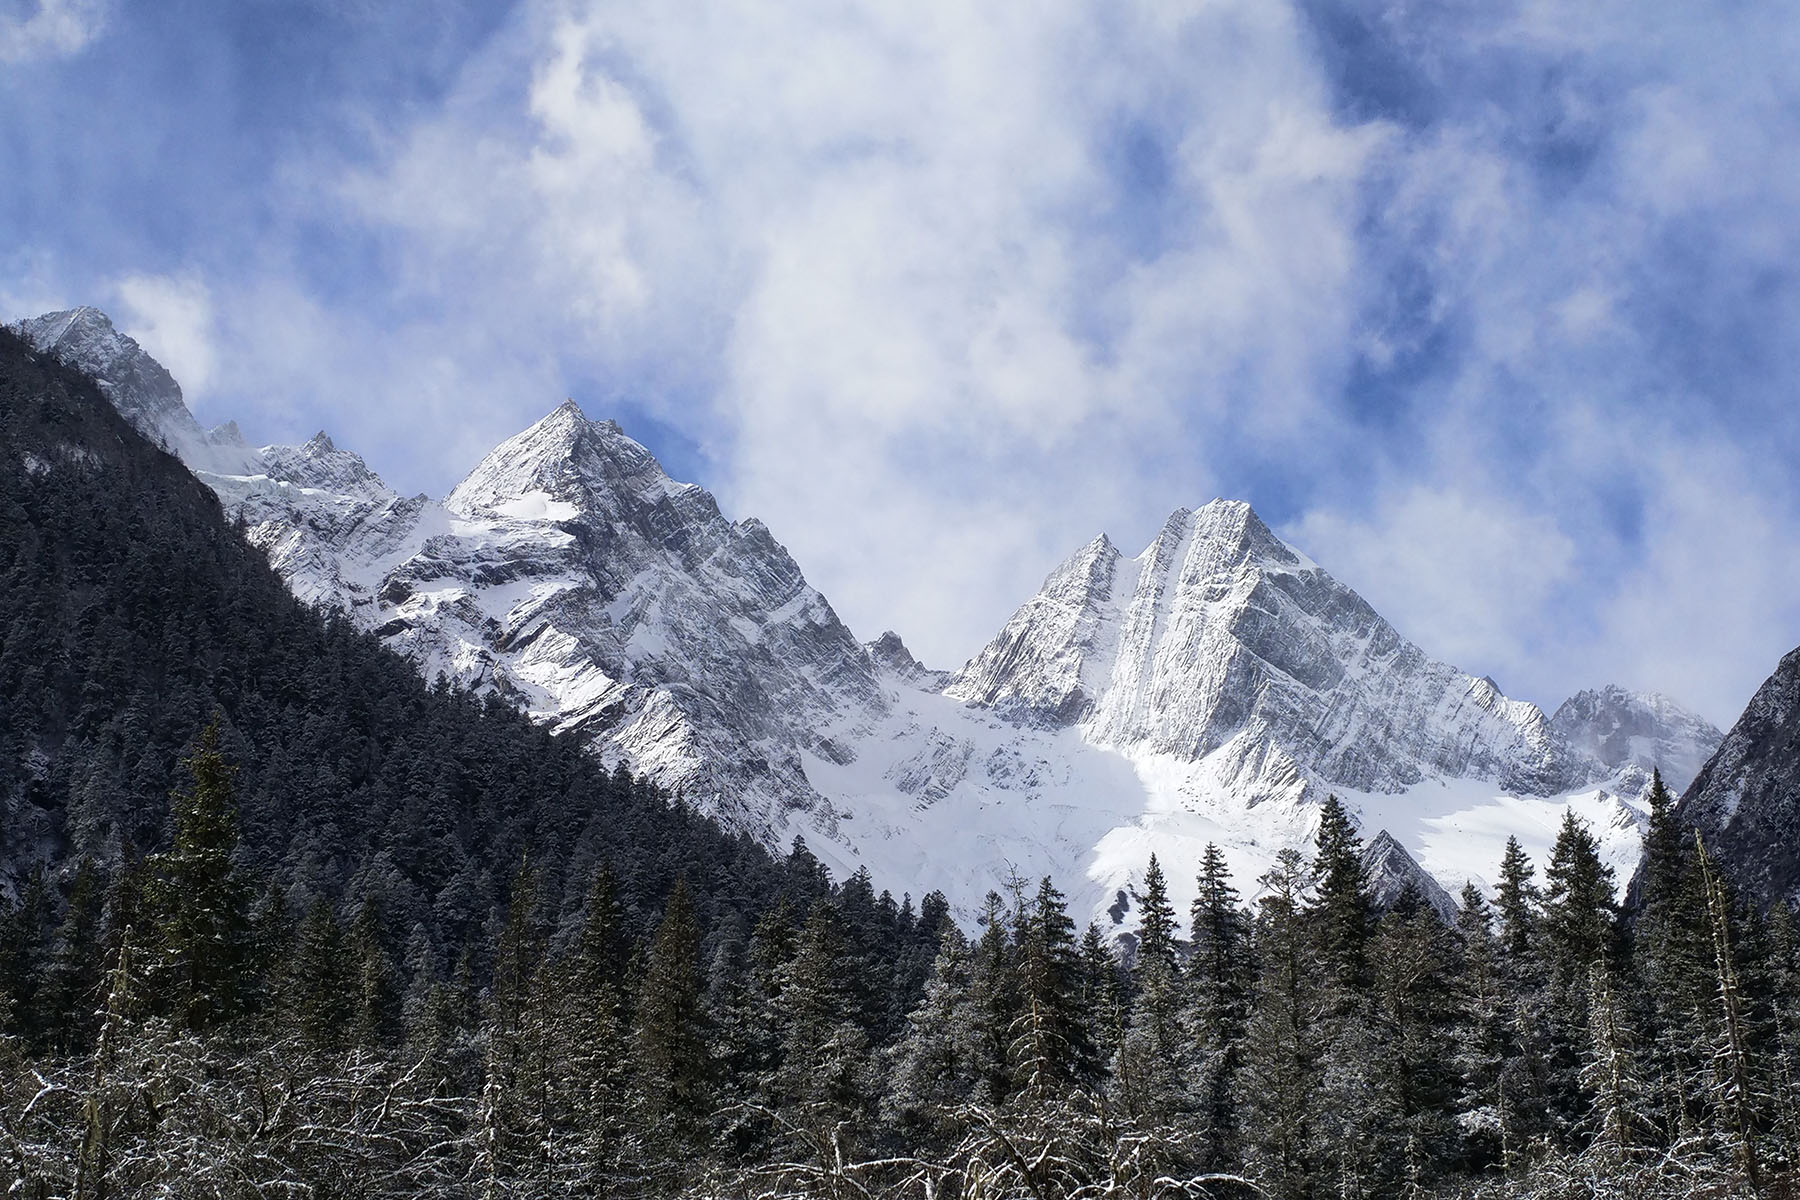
(1392, 870)
(139, 387)
(1746, 799)
(1218, 628)
(1212, 688)
(1618, 729)
(891, 654)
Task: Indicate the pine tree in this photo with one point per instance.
(1673, 960)
(1579, 915)
(823, 1079)
(319, 982)
(1102, 993)
(72, 990)
(993, 994)
(375, 984)
(1578, 906)
(1280, 1072)
(669, 1043)
(25, 960)
(1517, 898)
(934, 1062)
(1734, 1093)
(1220, 972)
(594, 1022)
(1409, 1139)
(1156, 922)
(1484, 1108)
(1619, 1122)
(1342, 914)
(197, 900)
(1049, 1050)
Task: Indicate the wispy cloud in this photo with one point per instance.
(49, 29)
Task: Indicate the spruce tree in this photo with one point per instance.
(993, 994)
(1279, 1078)
(934, 1061)
(595, 1023)
(823, 1078)
(1517, 898)
(1342, 915)
(1579, 934)
(72, 990)
(197, 901)
(1220, 973)
(1579, 910)
(375, 983)
(668, 1044)
(1050, 1049)
(1156, 921)
(1672, 957)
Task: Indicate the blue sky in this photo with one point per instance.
(1489, 308)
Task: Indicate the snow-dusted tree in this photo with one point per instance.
(1049, 1050)
(1341, 914)
(824, 1081)
(1152, 1067)
(668, 1043)
(933, 1072)
(1734, 1095)
(1220, 976)
(1280, 1072)
(196, 899)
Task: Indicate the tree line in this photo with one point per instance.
(169, 1030)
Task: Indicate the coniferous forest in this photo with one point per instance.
(281, 919)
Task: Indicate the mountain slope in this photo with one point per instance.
(1746, 799)
(131, 612)
(1213, 687)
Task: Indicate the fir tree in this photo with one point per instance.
(1220, 972)
(1280, 1071)
(669, 1045)
(1342, 914)
(197, 900)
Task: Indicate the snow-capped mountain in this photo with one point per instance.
(570, 573)
(1212, 688)
(138, 386)
(1746, 799)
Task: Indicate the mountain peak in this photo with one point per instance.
(1622, 728)
(139, 387)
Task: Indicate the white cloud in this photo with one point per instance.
(41, 29)
(171, 316)
(880, 229)
(1471, 578)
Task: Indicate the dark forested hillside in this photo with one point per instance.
(131, 613)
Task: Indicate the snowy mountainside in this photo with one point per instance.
(139, 387)
(569, 572)
(1215, 688)
(1212, 688)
